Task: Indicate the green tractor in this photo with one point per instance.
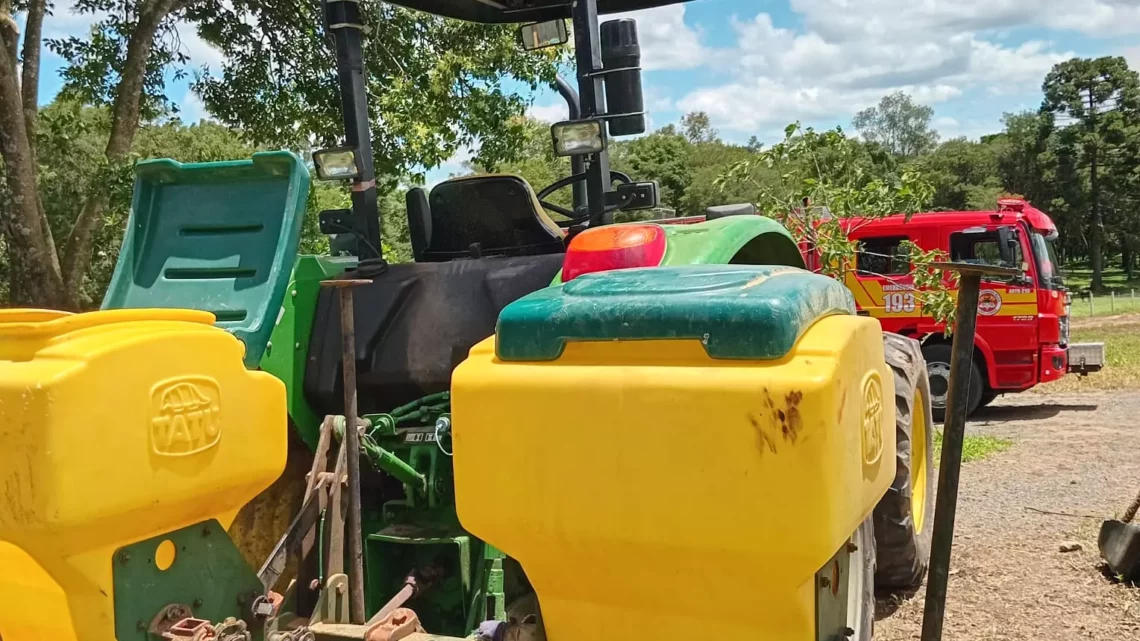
(481, 492)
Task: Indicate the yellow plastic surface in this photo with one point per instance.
(118, 426)
(651, 492)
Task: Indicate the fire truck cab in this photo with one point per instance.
(1023, 322)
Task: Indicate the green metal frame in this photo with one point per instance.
(287, 352)
(208, 576)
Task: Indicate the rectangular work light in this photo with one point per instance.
(578, 137)
(336, 164)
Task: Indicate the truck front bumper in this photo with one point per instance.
(1085, 358)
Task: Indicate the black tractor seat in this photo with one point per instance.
(477, 216)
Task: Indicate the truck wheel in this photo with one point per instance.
(988, 397)
(938, 370)
(904, 515)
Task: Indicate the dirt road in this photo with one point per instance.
(1073, 454)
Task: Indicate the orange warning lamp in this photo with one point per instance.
(613, 247)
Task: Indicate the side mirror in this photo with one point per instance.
(540, 35)
(1007, 246)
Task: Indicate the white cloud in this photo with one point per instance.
(849, 53)
(840, 20)
(1132, 55)
(64, 21)
(667, 42)
(453, 166)
(191, 109)
(200, 52)
(554, 112)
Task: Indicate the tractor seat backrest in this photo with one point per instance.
(219, 237)
(491, 215)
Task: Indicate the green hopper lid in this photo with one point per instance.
(736, 311)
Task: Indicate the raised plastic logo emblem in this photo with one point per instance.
(185, 416)
(872, 418)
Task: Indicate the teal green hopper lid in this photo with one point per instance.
(737, 312)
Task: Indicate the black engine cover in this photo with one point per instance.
(414, 324)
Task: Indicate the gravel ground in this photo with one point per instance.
(1072, 454)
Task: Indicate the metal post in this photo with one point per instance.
(577, 163)
(352, 442)
(953, 433)
(342, 17)
(591, 88)
(1112, 302)
(1090, 303)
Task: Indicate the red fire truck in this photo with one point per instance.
(1023, 322)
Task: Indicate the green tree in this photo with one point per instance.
(435, 85)
(827, 186)
(899, 124)
(1099, 101)
(1019, 149)
(707, 162)
(663, 156)
(964, 175)
(120, 65)
(698, 128)
(70, 139)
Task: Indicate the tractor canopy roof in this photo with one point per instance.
(520, 10)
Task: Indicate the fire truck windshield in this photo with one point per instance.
(1048, 268)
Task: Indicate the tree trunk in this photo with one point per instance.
(30, 59)
(24, 226)
(124, 124)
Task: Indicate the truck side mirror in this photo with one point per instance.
(1007, 246)
(540, 35)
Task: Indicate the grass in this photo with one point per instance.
(974, 448)
(1121, 338)
(1078, 279)
(1103, 305)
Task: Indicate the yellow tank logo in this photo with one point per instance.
(185, 416)
(872, 419)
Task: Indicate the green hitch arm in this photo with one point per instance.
(388, 462)
(382, 459)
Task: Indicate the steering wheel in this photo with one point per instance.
(570, 213)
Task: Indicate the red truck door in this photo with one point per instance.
(1007, 308)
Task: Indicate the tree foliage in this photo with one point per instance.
(829, 186)
(899, 124)
(1098, 104)
(434, 85)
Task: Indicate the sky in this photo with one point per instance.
(756, 65)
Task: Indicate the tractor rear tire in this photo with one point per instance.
(905, 515)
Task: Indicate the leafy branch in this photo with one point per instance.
(828, 187)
